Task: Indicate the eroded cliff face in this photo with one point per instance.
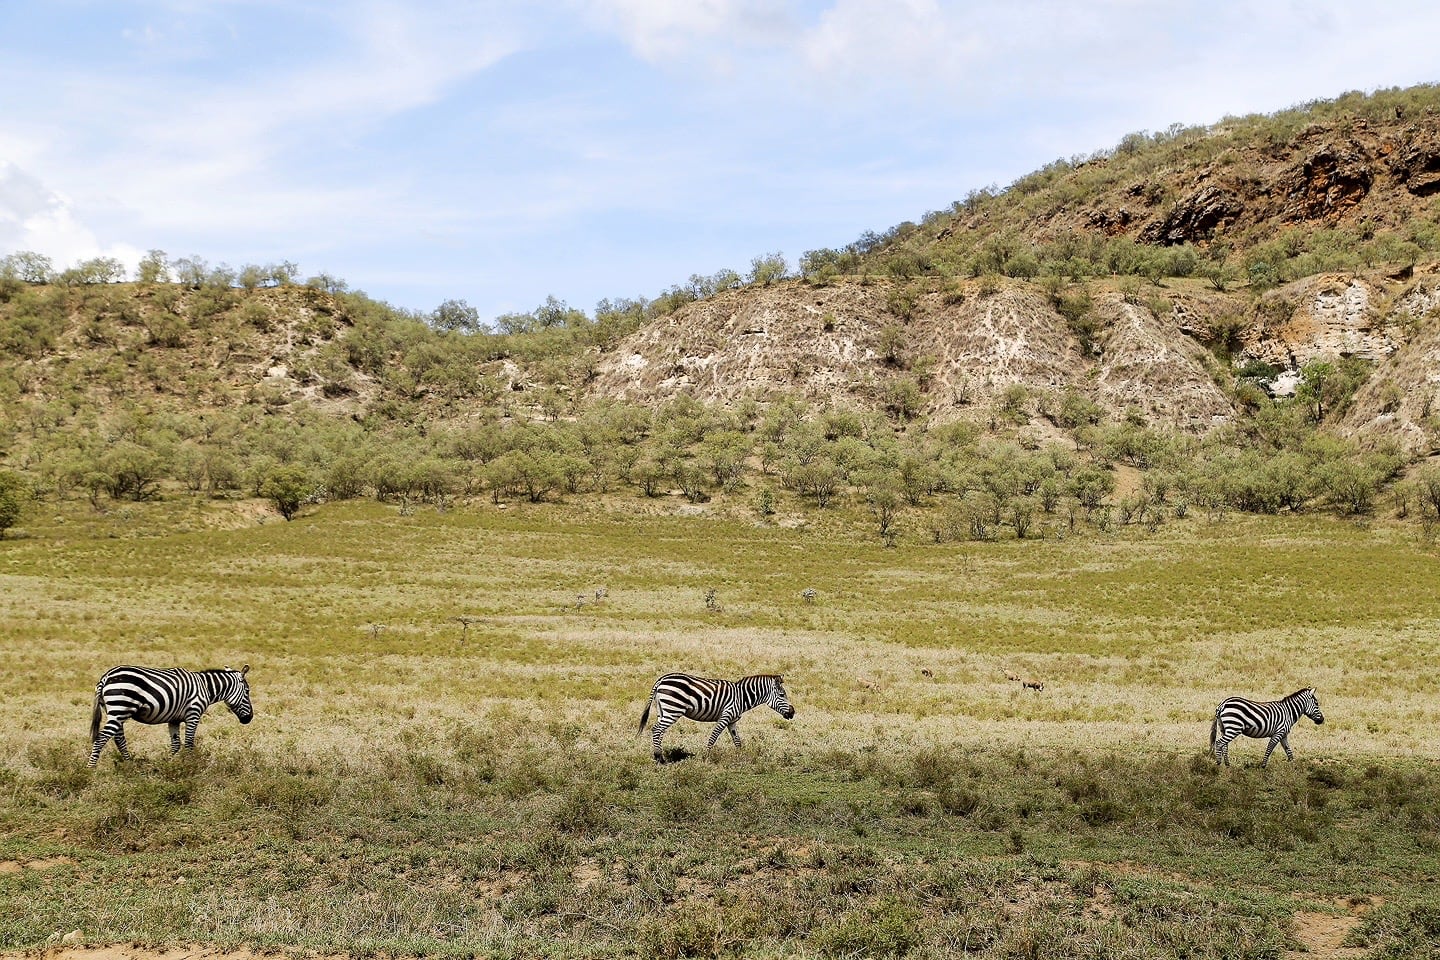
(848, 342)
(1401, 399)
(1330, 315)
(1147, 363)
(963, 344)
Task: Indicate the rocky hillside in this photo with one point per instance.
(957, 348)
(1143, 278)
(961, 348)
(1361, 165)
(1163, 281)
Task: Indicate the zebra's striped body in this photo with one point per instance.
(1240, 717)
(720, 702)
(170, 696)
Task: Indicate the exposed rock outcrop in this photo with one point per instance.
(1330, 315)
(1415, 163)
(1327, 184)
(972, 343)
(1195, 218)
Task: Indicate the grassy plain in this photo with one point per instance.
(416, 785)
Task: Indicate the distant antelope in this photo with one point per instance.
(1237, 716)
(721, 702)
(1025, 682)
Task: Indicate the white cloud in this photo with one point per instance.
(167, 147)
(703, 29)
(865, 42)
(37, 218)
(241, 129)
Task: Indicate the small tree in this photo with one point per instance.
(153, 267)
(1091, 486)
(27, 267)
(768, 268)
(287, 488)
(456, 315)
(190, 271)
(1022, 516)
(884, 501)
(131, 470)
(12, 499)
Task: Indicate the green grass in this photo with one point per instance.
(412, 788)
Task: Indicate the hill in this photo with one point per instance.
(1247, 306)
(1147, 276)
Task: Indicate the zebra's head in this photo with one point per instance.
(1310, 705)
(237, 694)
(778, 701)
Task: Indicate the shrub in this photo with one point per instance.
(890, 928)
(13, 495)
(287, 488)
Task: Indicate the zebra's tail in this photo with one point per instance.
(96, 715)
(646, 715)
(1214, 727)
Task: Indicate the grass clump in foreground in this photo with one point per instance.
(508, 839)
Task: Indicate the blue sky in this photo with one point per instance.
(501, 152)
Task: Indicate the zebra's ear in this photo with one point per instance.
(245, 669)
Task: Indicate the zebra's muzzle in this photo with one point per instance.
(789, 714)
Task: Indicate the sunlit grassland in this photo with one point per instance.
(354, 608)
(413, 784)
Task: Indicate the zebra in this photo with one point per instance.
(1273, 719)
(171, 696)
(721, 702)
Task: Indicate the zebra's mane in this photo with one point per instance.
(764, 676)
(1300, 693)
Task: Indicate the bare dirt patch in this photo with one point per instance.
(44, 863)
(134, 952)
(1323, 934)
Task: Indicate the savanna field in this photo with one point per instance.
(445, 758)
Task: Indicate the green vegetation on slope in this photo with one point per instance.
(391, 408)
(1083, 216)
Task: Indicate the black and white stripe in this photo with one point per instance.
(1237, 716)
(170, 696)
(720, 702)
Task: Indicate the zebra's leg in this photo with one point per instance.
(735, 735)
(1270, 748)
(114, 729)
(715, 734)
(120, 744)
(174, 737)
(1285, 742)
(662, 724)
(191, 723)
(1222, 750)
